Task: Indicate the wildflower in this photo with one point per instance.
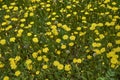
(28, 61)
(8, 28)
(109, 45)
(118, 34)
(17, 58)
(67, 67)
(29, 34)
(65, 37)
(45, 66)
(74, 60)
(48, 23)
(6, 78)
(2, 41)
(35, 40)
(31, 14)
(79, 60)
(23, 20)
(117, 27)
(45, 50)
(37, 72)
(102, 50)
(1, 65)
(58, 52)
(89, 57)
(117, 41)
(34, 54)
(17, 73)
(58, 40)
(46, 59)
(12, 39)
(72, 37)
(101, 36)
(63, 46)
(60, 66)
(39, 58)
(78, 28)
(96, 44)
(71, 44)
(6, 16)
(56, 63)
(114, 61)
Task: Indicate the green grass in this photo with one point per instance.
(33, 45)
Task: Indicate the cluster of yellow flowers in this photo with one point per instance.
(41, 35)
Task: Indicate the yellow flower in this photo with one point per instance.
(29, 67)
(6, 78)
(34, 54)
(46, 59)
(114, 60)
(117, 41)
(15, 8)
(35, 40)
(94, 44)
(60, 66)
(6, 16)
(8, 28)
(20, 31)
(17, 73)
(65, 37)
(117, 27)
(78, 28)
(28, 61)
(59, 24)
(109, 45)
(31, 14)
(13, 66)
(1, 65)
(45, 50)
(112, 65)
(74, 60)
(79, 61)
(102, 50)
(89, 57)
(37, 72)
(45, 66)
(68, 7)
(12, 39)
(101, 36)
(93, 26)
(2, 41)
(67, 67)
(29, 34)
(97, 51)
(48, 23)
(72, 37)
(118, 34)
(23, 20)
(58, 52)
(17, 58)
(39, 58)
(110, 54)
(63, 46)
(56, 63)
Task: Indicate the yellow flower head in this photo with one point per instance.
(17, 73)
(45, 66)
(6, 78)
(67, 67)
(12, 39)
(2, 41)
(35, 40)
(60, 66)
